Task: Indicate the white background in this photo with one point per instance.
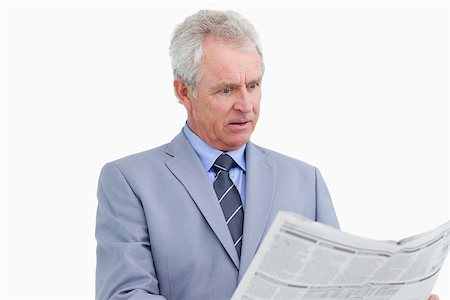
(358, 89)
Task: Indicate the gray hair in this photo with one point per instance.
(188, 37)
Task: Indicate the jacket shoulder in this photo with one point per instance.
(141, 159)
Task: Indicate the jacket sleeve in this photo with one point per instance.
(125, 268)
(324, 207)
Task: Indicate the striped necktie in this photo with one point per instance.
(229, 199)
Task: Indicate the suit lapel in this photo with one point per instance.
(261, 180)
(186, 167)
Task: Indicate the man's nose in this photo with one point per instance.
(244, 101)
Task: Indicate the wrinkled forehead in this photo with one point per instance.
(220, 57)
(229, 66)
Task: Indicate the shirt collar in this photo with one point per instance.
(208, 154)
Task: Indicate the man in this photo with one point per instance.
(184, 220)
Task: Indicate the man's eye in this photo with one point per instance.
(226, 90)
(253, 85)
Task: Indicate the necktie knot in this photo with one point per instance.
(224, 163)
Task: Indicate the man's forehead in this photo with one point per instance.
(251, 74)
(219, 50)
(224, 62)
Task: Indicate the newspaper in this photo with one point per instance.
(302, 259)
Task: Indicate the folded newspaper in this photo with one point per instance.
(302, 259)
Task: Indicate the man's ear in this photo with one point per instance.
(183, 93)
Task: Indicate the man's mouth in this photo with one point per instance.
(239, 125)
(240, 122)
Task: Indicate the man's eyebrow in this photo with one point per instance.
(225, 84)
(257, 80)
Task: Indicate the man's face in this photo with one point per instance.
(226, 109)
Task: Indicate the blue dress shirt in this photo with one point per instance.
(208, 156)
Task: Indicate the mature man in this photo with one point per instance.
(184, 220)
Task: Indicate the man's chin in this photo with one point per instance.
(236, 143)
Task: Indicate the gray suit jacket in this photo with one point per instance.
(161, 233)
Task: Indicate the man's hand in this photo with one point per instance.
(434, 297)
